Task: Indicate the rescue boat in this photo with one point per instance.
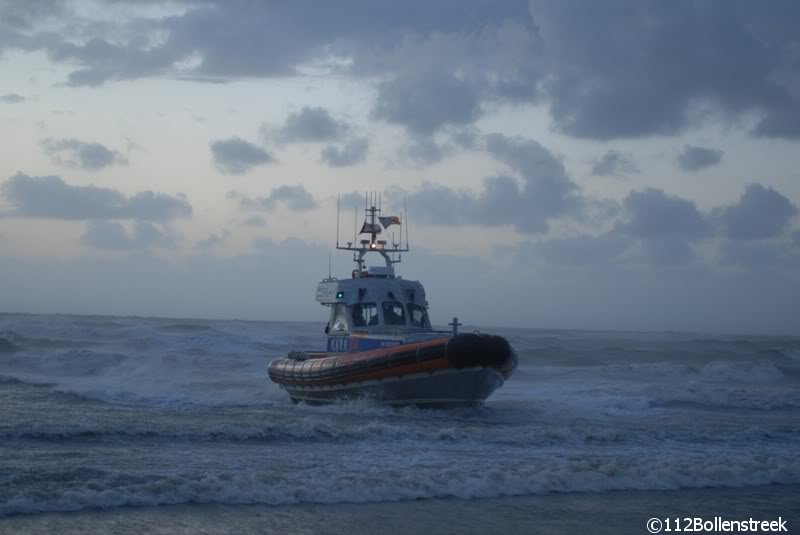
(380, 342)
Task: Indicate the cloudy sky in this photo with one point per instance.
(569, 164)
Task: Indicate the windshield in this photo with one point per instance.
(418, 316)
(365, 314)
(393, 314)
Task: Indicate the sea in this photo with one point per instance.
(151, 425)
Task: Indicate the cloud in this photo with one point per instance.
(664, 225)
(622, 69)
(544, 192)
(666, 252)
(236, 156)
(254, 221)
(51, 197)
(114, 236)
(574, 251)
(614, 163)
(228, 37)
(214, 240)
(697, 158)
(654, 214)
(293, 197)
(761, 213)
(611, 70)
(759, 255)
(312, 124)
(80, 154)
(423, 102)
(351, 153)
(12, 98)
(661, 230)
(424, 150)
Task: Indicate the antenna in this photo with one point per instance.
(329, 264)
(405, 209)
(337, 221)
(402, 224)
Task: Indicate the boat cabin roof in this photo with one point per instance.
(370, 289)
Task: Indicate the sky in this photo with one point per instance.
(620, 164)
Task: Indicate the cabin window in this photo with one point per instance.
(419, 316)
(365, 314)
(339, 322)
(393, 314)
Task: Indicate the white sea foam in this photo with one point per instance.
(585, 412)
(371, 483)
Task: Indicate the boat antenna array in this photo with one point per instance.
(374, 225)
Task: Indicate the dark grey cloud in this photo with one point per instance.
(608, 70)
(662, 231)
(114, 236)
(696, 158)
(654, 214)
(629, 69)
(20, 18)
(664, 225)
(12, 98)
(351, 153)
(312, 124)
(83, 155)
(760, 213)
(425, 150)
(542, 191)
(423, 102)
(236, 156)
(614, 163)
(293, 197)
(422, 150)
(230, 36)
(449, 54)
(51, 197)
(25, 14)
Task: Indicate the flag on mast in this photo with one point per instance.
(370, 228)
(389, 220)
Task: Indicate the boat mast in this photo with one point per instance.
(373, 227)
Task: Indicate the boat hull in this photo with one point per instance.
(460, 370)
(443, 388)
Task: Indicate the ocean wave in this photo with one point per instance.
(373, 483)
(6, 346)
(423, 433)
(185, 328)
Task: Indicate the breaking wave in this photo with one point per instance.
(105, 489)
(584, 412)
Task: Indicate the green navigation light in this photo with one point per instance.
(339, 295)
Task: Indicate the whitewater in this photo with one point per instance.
(110, 413)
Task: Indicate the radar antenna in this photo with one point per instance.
(373, 226)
